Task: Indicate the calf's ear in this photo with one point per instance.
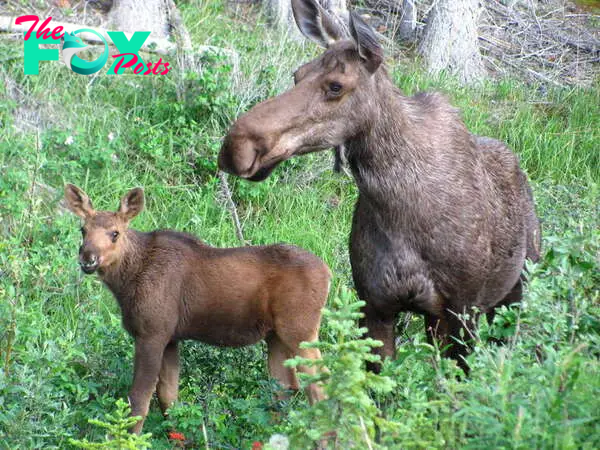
(132, 204)
(78, 201)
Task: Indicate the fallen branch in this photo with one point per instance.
(544, 77)
(549, 41)
(231, 206)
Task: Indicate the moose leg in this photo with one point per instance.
(289, 344)
(280, 349)
(514, 296)
(278, 353)
(382, 329)
(459, 334)
(168, 378)
(432, 326)
(148, 359)
(447, 332)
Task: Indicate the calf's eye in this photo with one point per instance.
(114, 236)
(335, 87)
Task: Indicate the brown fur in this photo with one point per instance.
(171, 286)
(444, 219)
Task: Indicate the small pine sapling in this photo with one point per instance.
(117, 427)
(349, 417)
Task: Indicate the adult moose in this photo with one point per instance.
(444, 219)
(171, 286)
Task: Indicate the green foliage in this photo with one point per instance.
(349, 409)
(567, 280)
(117, 427)
(210, 96)
(539, 390)
(214, 413)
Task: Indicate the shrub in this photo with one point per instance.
(349, 409)
(117, 434)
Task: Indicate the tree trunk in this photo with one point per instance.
(163, 20)
(450, 40)
(338, 7)
(408, 21)
(141, 15)
(280, 12)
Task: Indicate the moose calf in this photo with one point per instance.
(171, 286)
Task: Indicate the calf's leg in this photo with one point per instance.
(285, 347)
(291, 336)
(313, 391)
(278, 353)
(147, 364)
(168, 378)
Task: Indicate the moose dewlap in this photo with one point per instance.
(171, 286)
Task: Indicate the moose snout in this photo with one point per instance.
(239, 155)
(88, 261)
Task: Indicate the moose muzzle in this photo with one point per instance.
(88, 261)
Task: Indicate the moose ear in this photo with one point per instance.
(369, 48)
(132, 203)
(315, 23)
(78, 201)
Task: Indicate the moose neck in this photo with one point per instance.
(120, 276)
(397, 154)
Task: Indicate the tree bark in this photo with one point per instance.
(141, 15)
(338, 7)
(280, 12)
(408, 21)
(450, 40)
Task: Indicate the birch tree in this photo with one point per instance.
(280, 12)
(450, 40)
(141, 15)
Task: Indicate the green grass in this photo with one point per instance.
(64, 357)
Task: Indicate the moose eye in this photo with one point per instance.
(114, 236)
(335, 87)
(82, 231)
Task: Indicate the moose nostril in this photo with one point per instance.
(89, 263)
(88, 259)
(239, 156)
